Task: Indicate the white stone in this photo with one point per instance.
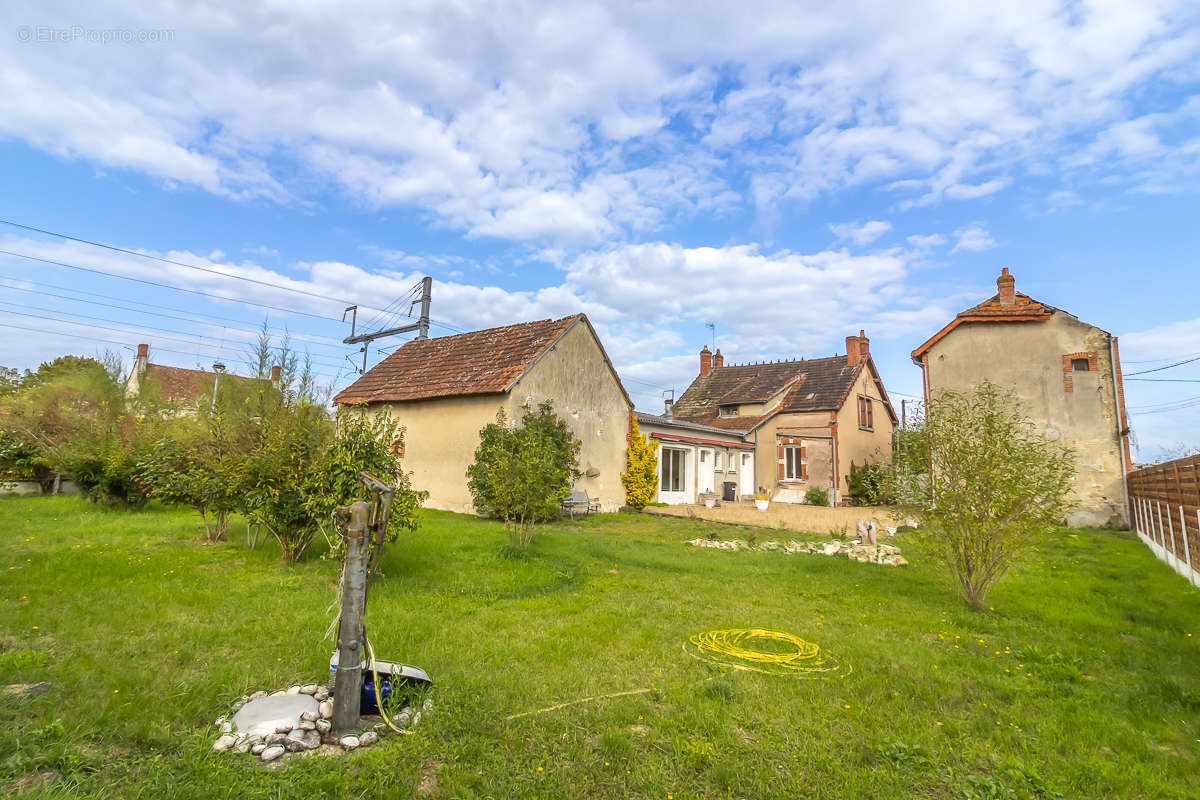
(403, 717)
(428, 704)
(322, 693)
(368, 738)
(276, 738)
(323, 725)
(273, 752)
(258, 747)
(310, 688)
(312, 740)
(416, 718)
(256, 695)
(325, 709)
(294, 690)
(244, 745)
(349, 742)
(238, 705)
(226, 727)
(309, 716)
(224, 743)
(295, 741)
(308, 725)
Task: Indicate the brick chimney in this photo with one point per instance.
(857, 348)
(705, 361)
(275, 370)
(143, 358)
(718, 359)
(1007, 286)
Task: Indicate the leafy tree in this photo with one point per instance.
(994, 486)
(370, 442)
(641, 468)
(521, 473)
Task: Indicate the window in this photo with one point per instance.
(1080, 365)
(794, 466)
(672, 470)
(717, 461)
(866, 415)
(727, 411)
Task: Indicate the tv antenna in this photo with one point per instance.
(713, 327)
(389, 315)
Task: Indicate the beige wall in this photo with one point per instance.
(439, 444)
(818, 454)
(1027, 357)
(584, 391)
(857, 444)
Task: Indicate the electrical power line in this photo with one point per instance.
(1168, 366)
(1167, 380)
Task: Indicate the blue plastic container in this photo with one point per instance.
(370, 703)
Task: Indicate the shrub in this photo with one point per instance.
(816, 497)
(641, 468)
(521, 473)
(994, 485)
(868, 483)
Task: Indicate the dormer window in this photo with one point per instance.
(727, 411)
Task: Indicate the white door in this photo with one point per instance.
(673, 486)
(704, 471)
(745, 472)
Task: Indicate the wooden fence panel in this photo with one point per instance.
(1164, 502)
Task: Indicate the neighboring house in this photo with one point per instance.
(445, 390)
(808, 420)
(1066, 373)
(176, 384)
(696, 459)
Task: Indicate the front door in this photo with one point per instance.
(745, 472)
(704, 471)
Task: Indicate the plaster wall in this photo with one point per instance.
(1028, 358)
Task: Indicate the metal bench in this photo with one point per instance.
(578, 502)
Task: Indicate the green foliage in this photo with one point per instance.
(868, 483)
(995, 485)
(816, 497)
(641, 468)
(364, 441)
(521, 473)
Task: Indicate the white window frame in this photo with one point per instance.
(793, 462)
(673, 467)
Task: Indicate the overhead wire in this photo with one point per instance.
(1160, 369)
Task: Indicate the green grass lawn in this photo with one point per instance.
(146, 636)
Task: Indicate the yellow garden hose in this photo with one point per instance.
(777, 653)
(379, 687)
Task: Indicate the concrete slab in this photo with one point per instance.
(264, 715)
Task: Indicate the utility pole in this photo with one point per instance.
(421, 325)
(219, 369)
(903, 414)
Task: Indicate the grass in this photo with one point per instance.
(145, 636)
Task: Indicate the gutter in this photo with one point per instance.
(1119, 413)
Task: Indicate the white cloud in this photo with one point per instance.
(861, 234)
(585, 122)
(973, 238)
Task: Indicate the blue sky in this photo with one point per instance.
(790, 171)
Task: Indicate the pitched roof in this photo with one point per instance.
(179, 383)
(1023, 309)
(480, 362)
(817, 384)
(675, 422)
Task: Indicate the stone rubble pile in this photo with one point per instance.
(312, 733)
(865, 548)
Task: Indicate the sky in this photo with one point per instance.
(789, 172)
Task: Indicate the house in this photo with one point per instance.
(177, 384)
(1066, 373)
(807, 420)
(445, 390)
(695, 459)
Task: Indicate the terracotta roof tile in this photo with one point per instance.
(479, 362)
(178, 383)
(1023, 309)
(822, 385)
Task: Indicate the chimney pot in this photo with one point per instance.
(275, 370)
(718, 359)
(143, 351)
(1006, 286)
(706, 361)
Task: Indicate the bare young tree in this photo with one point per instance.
(994, 485)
